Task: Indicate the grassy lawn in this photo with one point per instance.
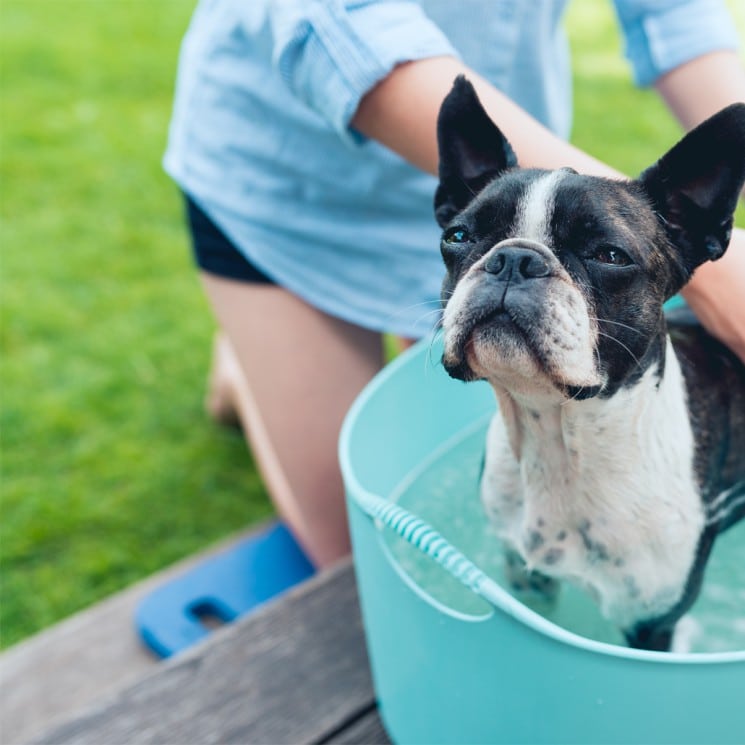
(110, 470)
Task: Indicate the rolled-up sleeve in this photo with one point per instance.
(663, 34)
(331, 52)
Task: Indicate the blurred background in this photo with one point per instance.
(110, 470)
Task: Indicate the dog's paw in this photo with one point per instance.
(531, 587)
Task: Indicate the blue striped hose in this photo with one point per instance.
(425, 538)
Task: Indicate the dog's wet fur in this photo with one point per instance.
(618, 451)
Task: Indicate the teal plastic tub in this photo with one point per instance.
(455, 658)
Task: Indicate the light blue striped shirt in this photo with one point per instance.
(260, 134)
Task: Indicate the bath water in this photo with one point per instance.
(443, 491)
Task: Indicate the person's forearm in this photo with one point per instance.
(693, 92)
(698, 89)
(716, 293)
(401, 112)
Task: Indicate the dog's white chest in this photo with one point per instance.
(601, 493)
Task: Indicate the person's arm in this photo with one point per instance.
(716, 293)
(698, 89)
(694, 91)
(401, 112)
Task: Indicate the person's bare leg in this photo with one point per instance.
(292, 373)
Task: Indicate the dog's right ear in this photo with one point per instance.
(472, 150)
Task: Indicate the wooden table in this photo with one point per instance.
(294, 671)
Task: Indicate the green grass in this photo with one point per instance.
(615, 121)
(627, 127)
(110, 469)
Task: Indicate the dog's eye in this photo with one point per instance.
(455, 235)
(611, 255)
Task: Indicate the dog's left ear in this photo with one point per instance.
(694, 187)
(472, 150)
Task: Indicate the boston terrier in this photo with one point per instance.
(618, 451)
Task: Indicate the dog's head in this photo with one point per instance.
(555, 281)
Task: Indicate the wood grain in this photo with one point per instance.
(295, 671)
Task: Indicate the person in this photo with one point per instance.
(304, 139)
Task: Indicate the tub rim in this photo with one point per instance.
(502, 601)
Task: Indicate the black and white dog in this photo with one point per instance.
(618, 453)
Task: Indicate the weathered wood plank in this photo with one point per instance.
(292, 672)
(65, 669)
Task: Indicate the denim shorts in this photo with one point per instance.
(215, 253)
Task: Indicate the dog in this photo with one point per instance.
(617, 454)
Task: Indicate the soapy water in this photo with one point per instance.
(444, 492)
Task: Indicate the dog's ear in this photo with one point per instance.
(694, 187)
(472, 150)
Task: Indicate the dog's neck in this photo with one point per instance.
(618, 434)
(609, 476)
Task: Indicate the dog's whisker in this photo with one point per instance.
(572, 398)
(621, 344)
(429, 359)
(614, 323)
(401, 311)
(468, 186)
(437, 312)
(405, 309)
(420, 319)
(434, 310)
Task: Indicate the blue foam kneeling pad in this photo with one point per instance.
(220, 589)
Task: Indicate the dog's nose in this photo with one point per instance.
(517, 262)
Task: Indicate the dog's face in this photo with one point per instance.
(555, 281)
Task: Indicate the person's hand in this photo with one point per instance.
(716, 294)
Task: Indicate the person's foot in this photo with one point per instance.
(219, 402)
